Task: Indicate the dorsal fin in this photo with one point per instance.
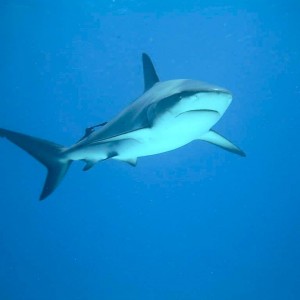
(150, 76)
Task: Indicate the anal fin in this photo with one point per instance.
(131, 161)
(89, 164)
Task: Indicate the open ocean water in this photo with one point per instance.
(197, 223)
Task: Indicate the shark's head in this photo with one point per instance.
(202, 96)
(191, 95)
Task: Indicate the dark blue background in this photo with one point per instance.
(195, 223)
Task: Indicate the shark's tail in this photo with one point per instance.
(47, 153)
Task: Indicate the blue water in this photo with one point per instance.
(198, 223)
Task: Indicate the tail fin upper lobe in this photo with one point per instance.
(47, 153)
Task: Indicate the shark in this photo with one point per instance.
(168, 115)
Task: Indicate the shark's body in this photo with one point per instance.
(167, 116)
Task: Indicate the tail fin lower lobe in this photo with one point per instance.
(47, 153)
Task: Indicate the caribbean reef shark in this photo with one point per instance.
(168, 115)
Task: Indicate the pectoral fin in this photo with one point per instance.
(218, 140)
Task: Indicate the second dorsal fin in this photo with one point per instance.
(150, 76)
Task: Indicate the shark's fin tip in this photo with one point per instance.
(218, 140)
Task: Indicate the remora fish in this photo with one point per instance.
(168, 115)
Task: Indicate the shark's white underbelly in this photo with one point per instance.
(168, 134)
(169, 128)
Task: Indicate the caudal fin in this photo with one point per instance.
(47, 153)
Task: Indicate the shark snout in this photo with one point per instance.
(222, 100)
(221, 92)
(212, 99)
